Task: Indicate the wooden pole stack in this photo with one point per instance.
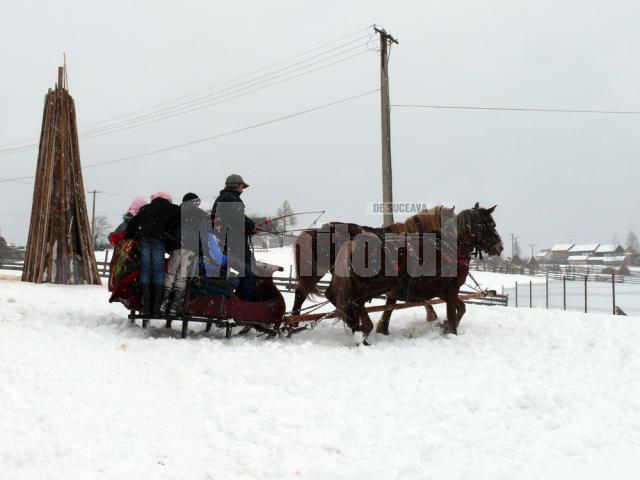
(59, 248)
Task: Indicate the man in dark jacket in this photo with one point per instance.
(154, 226)
(234, 231)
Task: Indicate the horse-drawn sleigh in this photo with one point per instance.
(444, 240)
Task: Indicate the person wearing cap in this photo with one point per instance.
(186, 245)
(153, 226)
(228, 217)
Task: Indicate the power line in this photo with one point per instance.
(257, 80)
(226, 82)
(223, 99)
(215, 137)
(207, 101)
(261, 69)
(518, 109)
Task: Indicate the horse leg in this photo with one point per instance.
(383, 324)
(366, 325)
(299, 299)
(432, 316)
(452, 317)
(461, 309)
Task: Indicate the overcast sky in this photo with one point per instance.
(556, 177)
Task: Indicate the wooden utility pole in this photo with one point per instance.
(387, 178)
(93, 219)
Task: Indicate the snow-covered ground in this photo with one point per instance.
(526, 394)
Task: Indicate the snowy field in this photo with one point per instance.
(520, 393)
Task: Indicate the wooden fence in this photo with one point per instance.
(284, 283)
(568, 273)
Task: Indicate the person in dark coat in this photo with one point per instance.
(154, 226)
(191, 235)
(234, 230)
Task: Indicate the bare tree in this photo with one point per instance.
(285, 219)
(102, 229)
(632, 240)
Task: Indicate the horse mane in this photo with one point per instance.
(427, 221)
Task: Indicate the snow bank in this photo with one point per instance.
(519, 394)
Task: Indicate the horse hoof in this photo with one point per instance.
(382, 330)
(358, 337)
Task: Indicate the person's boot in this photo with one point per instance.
(157, 299)
(166, 300)
(146, 300)
(177, 305)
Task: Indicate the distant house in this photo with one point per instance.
(543, 256)
(614, 261)
(632, 255)
(560, 253)
(578, 259)
(584, 249)
(609, 250)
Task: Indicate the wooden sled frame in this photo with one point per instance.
(289, 324)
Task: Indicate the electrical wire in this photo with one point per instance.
(214, 137)
(209, 100)
(234, 79)
(519, 109)
(209, 104)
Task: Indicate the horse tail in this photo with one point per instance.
(341, 285)
(305, 263)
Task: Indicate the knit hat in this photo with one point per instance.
(164, 195)
(190, 196)
(136, 204)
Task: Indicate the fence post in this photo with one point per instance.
(530, 294)
(546, 290)
(516, 294)
(613, 291)
(564, 292)
(586, 278)
(289, 288)
(104, 267)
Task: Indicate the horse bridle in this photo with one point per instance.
(483, 227)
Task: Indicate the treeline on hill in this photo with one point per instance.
(9, 252)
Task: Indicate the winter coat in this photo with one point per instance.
(233, 218)
(119, 233)
(159, 219)
(215, 262)
(192, 230)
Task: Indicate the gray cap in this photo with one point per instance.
(234, 180)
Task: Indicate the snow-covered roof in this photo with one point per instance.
(575, 258)
(543, 253)
(619, 258)
(584, 248)
(610, 248)
(562, 247)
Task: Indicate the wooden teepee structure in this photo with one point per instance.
(59, 249)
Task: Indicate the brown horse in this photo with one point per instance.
(472, 230)
(315, 248)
